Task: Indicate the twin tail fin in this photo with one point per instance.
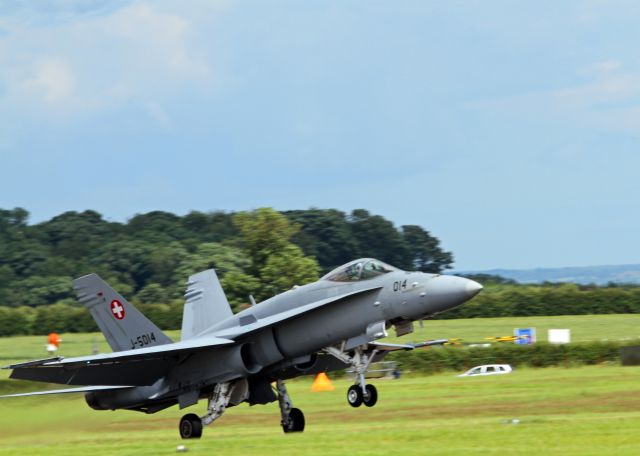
(124, 327)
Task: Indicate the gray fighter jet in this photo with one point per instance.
(228, 359)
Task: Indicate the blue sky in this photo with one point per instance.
(510, 130)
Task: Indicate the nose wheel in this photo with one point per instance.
(356, 396)
(370, 396)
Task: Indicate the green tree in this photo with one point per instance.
(153, 293)
(264, 232)
(223, 258)
(238, 286)
(210, 227)
(325, 235)
(378, 238)
(74, 234)
(39, 291)
(128, 260)
(424, 250)
(275, 261)
(287, 268)
(163, 261)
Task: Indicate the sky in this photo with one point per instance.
(509, 130)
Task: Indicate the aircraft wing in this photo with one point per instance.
(380, 346)
(233, 333)
(82, 389)
(138, 367)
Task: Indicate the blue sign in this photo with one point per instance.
(525, 336)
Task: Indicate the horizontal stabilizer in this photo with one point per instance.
(82, 389)
(138, 367)
(381, 346)
(140, 354)
(34, 363)
(429, 343)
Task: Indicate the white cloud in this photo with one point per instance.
(610, 90)
(610, 101)
(161, 39)
(48, 12)
(602, 69)
(157, 113)
(137, 55)
(52, 80)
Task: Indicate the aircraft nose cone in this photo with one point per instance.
(472, 288)
(445, 292)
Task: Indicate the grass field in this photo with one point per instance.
(567, 411)
(577, 411)
(583, 327)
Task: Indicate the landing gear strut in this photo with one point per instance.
(191, 425)
(360, 393)
(292, 418)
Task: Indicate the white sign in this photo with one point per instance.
(559, 336)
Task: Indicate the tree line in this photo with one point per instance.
(148, 258)
(509, 299)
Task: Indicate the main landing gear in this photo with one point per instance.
(361, 392)
(233, 393)
(292, 418)
(191, 425)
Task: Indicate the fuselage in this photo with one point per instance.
(395, 297)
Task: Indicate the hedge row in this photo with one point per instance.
(438, 359)
(62, 318)
(548, 299)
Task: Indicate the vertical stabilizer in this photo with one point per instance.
(124, 327)
(205, 304)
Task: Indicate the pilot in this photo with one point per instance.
(354, 273)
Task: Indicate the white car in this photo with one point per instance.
(488, 369)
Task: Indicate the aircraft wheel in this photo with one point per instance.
(371, 396)
(355, 396)
(190, 426)
(295, 422)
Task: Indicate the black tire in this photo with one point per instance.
(190, 426)
(355, 396)
(295, 422)
(371, 396)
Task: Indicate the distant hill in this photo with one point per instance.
(599, 275)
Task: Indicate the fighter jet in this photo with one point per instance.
(228, 359)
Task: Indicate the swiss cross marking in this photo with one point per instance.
(117, 309)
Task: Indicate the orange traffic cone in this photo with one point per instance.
(322, 383)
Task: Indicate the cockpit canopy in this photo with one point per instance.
(362, 269)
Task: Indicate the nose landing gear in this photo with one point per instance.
(360, 393)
